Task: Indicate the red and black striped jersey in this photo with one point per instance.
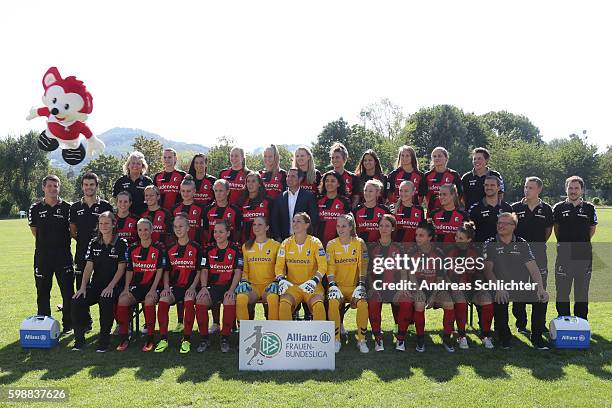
(195, 216)
(408, 219)
(395, 178)
(169, 186)
(236, 180)
(221, 263)
(435, 180)
(428, 266)
(252, 209)
(162, 225)
(184, 262)
(366, 220)
(363, 178)
(469, 271)
(126, 229)
(312, 187)
(144, 263)
(447, 223)
(213, 212)
(351, 183)
(378, 250)
(329, 211)
(274, 182)
(204, 194)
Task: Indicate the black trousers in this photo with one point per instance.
(578, 273)
(502, 329)
(78, 275)
(47, 264)
(519, 309)
(80, 312)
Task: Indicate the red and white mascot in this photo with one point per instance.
(67, 104)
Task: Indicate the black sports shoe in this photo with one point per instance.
(225, 344)
(540, 343)
(203, 346)
(448, 343)
(506, 344)
(78, 345)
(46, 143)
(74, 156)
(420, 347)
(67, 330)
(522, 330)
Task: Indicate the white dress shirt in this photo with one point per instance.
(291, 200)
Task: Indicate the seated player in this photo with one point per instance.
(300, 267)
(465, 249)
(331, 205)
(146, 262)
(181, 279)
(258, 278)
(407, 213)
(221, 271)
(448, 217)
(430, 271)
(347, 258)
(370, 212)
(400, 301)
(105, 265)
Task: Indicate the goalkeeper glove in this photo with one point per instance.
(310, 285)
(283, 285)
(334, 292)
(273, 287)
(360, 291)
(243, 287)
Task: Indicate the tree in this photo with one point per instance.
(218, 155)
(576, 156)
(603, 178)
(108, 169)
(447, 126)
(22, 168)
(152, 150)
(387, 118)
(255, 161)
(512, 126)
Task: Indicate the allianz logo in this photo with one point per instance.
(579, 338)
(35, 337)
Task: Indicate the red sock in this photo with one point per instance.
(487, 318)
(374, 309)
(189, 317)
(123, 318)
(179, 312)
(216, 313)
(229, 316)
(149, 312)
(162, 317)
(404, 315)
(448, 320)
(461, 316)
(201, 312)
(419, 322)
(115, 313)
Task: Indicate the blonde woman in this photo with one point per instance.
(134, 181)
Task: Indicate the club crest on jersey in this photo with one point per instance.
(159, 218)
(261, 205)
(194, 212)
(337, 206)
(353, 252)
(268, 252)
(153, 255)
(456, 219)
(308, 252)
(229, 256)
(190, 253)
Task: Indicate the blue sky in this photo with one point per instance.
(276, 71)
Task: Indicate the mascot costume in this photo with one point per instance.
(67, 104)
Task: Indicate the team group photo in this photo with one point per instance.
(370, 256)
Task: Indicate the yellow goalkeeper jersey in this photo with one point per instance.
(259, 262)
(301, 261)
(347, 262)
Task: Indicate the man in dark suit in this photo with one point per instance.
(290, 202)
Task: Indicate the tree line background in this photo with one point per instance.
(516, 147)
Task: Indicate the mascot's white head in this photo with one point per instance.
(67, 99)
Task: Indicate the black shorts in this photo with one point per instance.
(140, 292)
(94, 290)
(217, 292)
(179, 293)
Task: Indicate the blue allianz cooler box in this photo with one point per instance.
(570, 332)
(39, 332)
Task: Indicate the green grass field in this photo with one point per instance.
(518, 377)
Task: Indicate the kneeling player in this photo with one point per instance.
(400, 305)
(346, 272)
(221, 271)
(146, 262)
(466, 250)
(181, 279)
(257, 281)
(301, 262)
(429, 272)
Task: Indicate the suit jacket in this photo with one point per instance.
(306, 202)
